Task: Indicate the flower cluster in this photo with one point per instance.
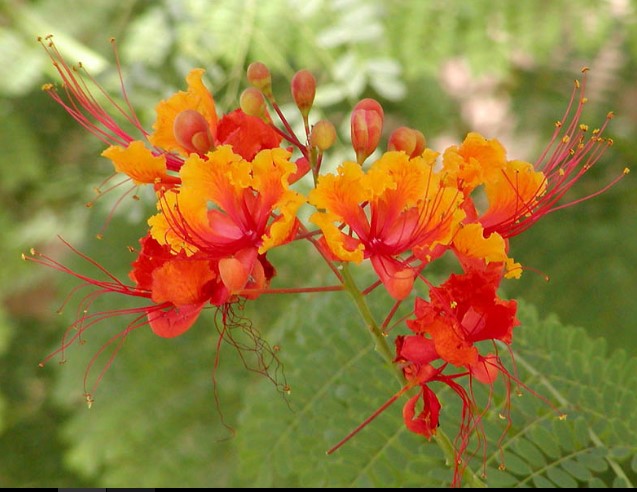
(229, 189)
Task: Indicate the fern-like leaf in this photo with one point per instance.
(337, 381)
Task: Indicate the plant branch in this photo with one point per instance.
(382, 347)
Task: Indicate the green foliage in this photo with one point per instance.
(337, 381)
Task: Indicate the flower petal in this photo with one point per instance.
(174, 322)
(139, 163)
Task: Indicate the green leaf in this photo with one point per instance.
(561, 478)
(337, 381)
(577, 470)
(547, 451)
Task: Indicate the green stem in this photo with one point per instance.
(380, 342)
(382, 347)
(449, 452)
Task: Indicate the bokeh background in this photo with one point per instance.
(446, 67)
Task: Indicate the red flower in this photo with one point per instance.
(462, 311)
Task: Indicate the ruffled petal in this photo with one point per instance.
(139, 163)
(182, 282)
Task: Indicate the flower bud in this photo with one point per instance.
(233, 273)
(192, 132)
(253, 103)
(303, 87)
(366, 127)
(410, 141)
(259, 76)
(323, 135)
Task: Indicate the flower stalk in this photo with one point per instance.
(382, 348)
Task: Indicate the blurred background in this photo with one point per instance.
(446, 67)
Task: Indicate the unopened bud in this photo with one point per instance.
(303, 87)
(323, 135)
(366, 128)
(253, 103)
(410, 141)
(259, 76)
(192, 132)
(233, 274)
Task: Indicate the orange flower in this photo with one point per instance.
(399, 205)
(227, 207)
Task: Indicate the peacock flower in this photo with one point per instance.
(462, 311)
(519, 193)
(230, 210)
(79, 97)
(399, 205)
(511, 189)
(572, 151)
(186, 123)
(416, 355)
